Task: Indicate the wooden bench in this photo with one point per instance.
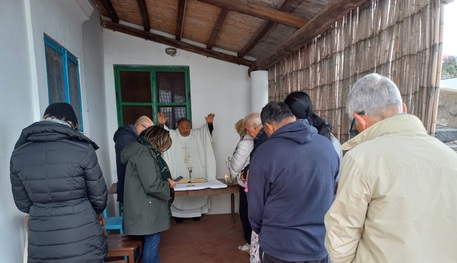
(124, 246)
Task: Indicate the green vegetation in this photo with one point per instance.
(449, 68)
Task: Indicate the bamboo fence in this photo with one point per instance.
(400, 39)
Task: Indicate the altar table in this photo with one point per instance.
(212, 187)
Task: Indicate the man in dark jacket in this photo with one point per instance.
(123, 136)
(56, 179)
(291, 184)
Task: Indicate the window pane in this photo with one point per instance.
(171, 87)
(75, 100)
(173, 114)
(135, 86)
(152, 88)
(55, 75)
(131, 113)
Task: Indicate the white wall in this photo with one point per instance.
(17, 112)
(93, 93)
(216, 86)
(23, 90)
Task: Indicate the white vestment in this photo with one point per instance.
(196, 151)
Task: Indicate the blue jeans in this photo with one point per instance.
(151, 248)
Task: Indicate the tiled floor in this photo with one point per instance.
(213, 239)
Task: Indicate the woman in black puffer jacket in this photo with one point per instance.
(56, 179)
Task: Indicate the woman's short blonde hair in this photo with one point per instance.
(239, 127)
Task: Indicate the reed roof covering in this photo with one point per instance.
(318, 46)
(255, 33)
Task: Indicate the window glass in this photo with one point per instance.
(147, 90)
(73, 81)
(174, 114)
(136, 86)
(171, 87)
(55, 75)
(131, 113)
(62, 71)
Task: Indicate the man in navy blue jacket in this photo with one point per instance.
(123, 136)
(291, 186)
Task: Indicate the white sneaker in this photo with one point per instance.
(245, 248)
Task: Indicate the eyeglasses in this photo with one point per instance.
(352, 130)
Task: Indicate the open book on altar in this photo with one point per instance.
(194, 180)
(198, 184)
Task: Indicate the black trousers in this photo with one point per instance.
(265, 258)
(243, 210)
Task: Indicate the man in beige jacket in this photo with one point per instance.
(396, 200)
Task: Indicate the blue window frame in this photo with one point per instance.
(62, 70)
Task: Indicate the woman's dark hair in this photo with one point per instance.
(300, 104)
(158, 137)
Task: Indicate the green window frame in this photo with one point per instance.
(146, 90)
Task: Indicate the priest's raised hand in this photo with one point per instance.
(210, 118)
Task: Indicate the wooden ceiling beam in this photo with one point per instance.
(180, 18)
(110, 9)
(256, 38)
(144, 14)
(318, 25)
(259, 11)
(175, 43)
(263, 30)
(217, 28)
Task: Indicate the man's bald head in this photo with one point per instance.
(142, 123)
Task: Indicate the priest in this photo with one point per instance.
(191, 149)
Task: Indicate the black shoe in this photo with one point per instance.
(195, 219)
(179, 220)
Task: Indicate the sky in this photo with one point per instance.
(450, 24)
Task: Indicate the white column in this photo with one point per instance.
(259, 90)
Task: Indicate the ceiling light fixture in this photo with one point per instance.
(171, 51)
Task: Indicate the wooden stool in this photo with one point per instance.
(123, 245)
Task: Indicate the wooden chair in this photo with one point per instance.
(120, 245)
(113, 223)
(124, 246)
